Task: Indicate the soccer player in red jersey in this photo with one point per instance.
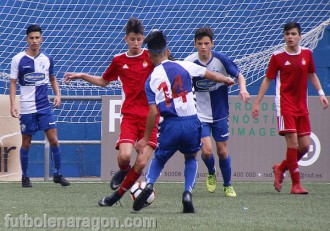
(291, 67)
(132, 68)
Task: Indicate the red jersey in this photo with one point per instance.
(291, 73)
(133, 72)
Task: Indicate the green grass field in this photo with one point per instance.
(257, 207)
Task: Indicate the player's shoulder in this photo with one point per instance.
(306, 49)
(44, 54)
(19, 55)
(279, 51)
(192, 58)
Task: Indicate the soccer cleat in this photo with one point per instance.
(142, 198)
(188, 206)
(279, 176)
(110, 200)
(211, 183)
(229, 191)
(118, 178)
(59, 179)
(26, 183)
(298, 189)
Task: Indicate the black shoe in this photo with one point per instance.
(59, 179)
(26, 183)
(110, 200)
(142, 198)
(188, 206)
(118, 178)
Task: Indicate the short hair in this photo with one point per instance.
(204, 31)
(156, 41)
(134, 25)
(33, 28)
(292, 25)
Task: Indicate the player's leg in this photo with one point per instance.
(29, 127)
(46, 122)
(24, 157)
(128, 135)
(208, 157)
(220, 132)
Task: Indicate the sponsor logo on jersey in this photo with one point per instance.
(125, 66)
(206, 84)
(287, 63)
(34, 77)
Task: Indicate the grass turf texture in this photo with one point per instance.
(257, 207)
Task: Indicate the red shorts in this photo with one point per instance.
(294, 124)
(132, 129)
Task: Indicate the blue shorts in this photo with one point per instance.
(39, 121)
(219, 129)
(179, 134)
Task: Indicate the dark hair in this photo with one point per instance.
(291, 25)
(156, 41)
(204, 31)
(134, 25)
(33, 28)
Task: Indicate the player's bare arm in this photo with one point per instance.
(317, 85)
(96, 80)
(151, 121)
(243, 93)
(56, 90)
(217, 77)
(12, 95)
(262, 91)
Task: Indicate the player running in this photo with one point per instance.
(132, 68)
(169, 91)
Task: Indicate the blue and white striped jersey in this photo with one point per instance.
(169, 86)
(211, 97)
(33, 75)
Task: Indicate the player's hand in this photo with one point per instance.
(244, 95)
(255, 111)
(324, 102)
(229, 81)
(57, 101)
(140, 145)
(71, 76)
(14, 112)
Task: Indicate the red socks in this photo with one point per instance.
(129, 181)
(292, 163)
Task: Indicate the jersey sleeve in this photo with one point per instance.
(150, 94)
(193, 69)
(51, 67)
(111, 72)
(311, 68)
(272, 68)
(14, 68)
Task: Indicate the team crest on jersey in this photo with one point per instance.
(145, 63)
(42, 65)
(303, 61)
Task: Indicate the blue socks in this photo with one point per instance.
(56, 157)
(225, 168)
(190, 172)
(155, 168)
(209, 163)
(24, 156)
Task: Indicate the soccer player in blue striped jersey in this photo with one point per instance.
(213, 107)
(34, 70)
(169, 92)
